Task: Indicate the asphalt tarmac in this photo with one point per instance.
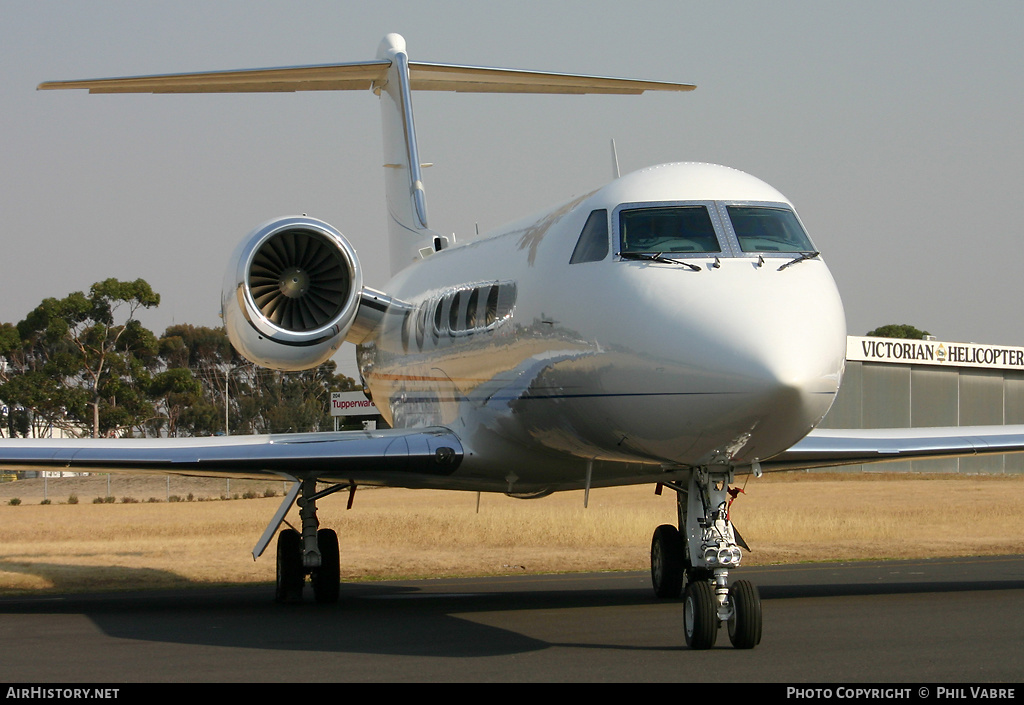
(932, 621)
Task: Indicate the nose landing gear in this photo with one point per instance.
(695, 561)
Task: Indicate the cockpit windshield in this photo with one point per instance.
(764, 229)
(668, 229)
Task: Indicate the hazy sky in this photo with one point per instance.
(895, 128)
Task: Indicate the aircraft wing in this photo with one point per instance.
(829, 447)
(366, 75)
(365, 457)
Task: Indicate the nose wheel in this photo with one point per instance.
(695, 560)
(700, 616)
(745, 622)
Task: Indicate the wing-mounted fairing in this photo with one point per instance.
(293, 293)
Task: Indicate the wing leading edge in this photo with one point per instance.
(369, 457)
(833, 447)
(368, 75)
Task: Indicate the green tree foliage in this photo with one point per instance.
(287, 402)
(204, 356)
(255, 400)
(175, 393)
(898, 330)
(84, 359)
(85, 362)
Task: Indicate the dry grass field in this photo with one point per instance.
(392, 533)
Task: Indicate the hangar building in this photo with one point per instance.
(895, 383)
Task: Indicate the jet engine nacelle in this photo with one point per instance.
(291, 293)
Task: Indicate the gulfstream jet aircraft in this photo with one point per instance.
(675, 327)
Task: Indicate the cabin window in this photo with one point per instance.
(668, 229)
(407, 325)
(762, 229)
(491, 314)
(438, 318)
(506, 300)
(453, 314)
(421, 325)
(471, 307)
(593, 243)
(460, 312)
(501, 299)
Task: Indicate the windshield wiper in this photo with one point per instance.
(801, 258)
(656, 257)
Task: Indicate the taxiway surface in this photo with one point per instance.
(945, 620)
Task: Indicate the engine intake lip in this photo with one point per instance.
(298, 281)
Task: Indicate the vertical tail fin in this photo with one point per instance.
(408, 231)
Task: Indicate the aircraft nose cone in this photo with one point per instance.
(793, 381)
(743, 366)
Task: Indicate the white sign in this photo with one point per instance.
(934, 352)
(352, 404)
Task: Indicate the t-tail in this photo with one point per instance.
(393, 77)
(409, 233)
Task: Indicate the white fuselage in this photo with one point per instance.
(620, 368)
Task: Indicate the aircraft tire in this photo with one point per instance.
(745, 623)
(327, 578)
(290, 574)
(667, 569)
(700, 616)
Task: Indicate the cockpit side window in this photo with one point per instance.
(593, 243)
(763, 229)
(668, 229)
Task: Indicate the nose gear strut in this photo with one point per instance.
(695, 560)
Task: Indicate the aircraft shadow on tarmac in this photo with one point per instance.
(384, 618)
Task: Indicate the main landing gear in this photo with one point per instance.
(313, 552)
(292, 567)
(694, 561)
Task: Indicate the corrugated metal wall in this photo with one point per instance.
(887, 395)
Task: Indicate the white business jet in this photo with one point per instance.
(677, 326)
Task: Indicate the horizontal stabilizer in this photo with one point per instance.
(367, 75)
(475, 79)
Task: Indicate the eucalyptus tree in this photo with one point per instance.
(85, 360)
(237, 396)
